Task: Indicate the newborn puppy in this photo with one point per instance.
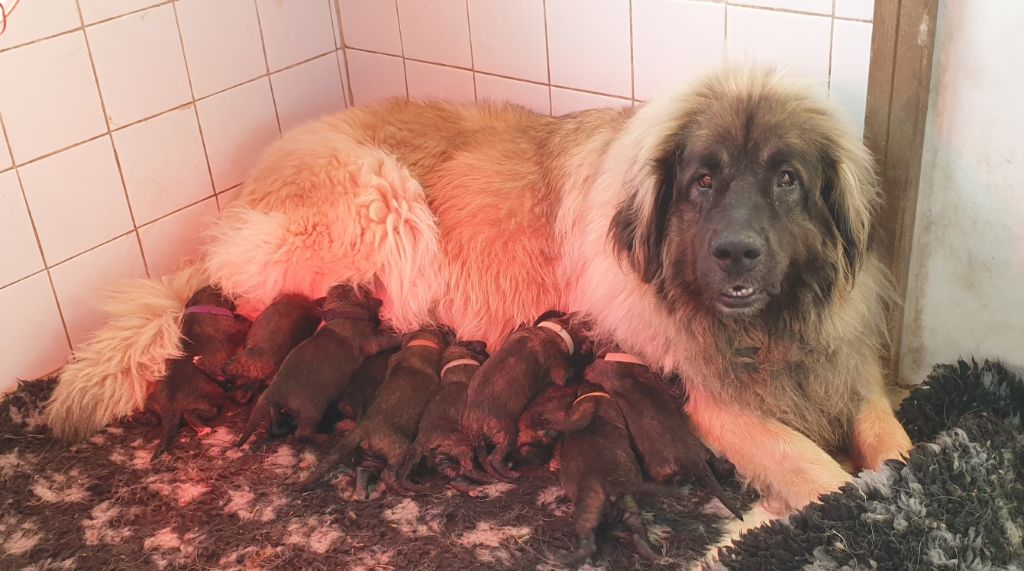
(525, 365)
(393, 418)
(599, 471)
(365, 382)
(440, 439)
(316, 372)
(535, 441)
(210, 333)
(659, 429)
(285, 323)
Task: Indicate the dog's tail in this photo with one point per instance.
(258, 417)
(344, 449)
(111, 372)
(169, 424)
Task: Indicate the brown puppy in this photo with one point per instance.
(531, 359)
(391, 422)
(659, 429)
(599, 471)
(316, 372)
(440, 440)
(285, 323)
(210, 333)
(365, 382)
(536, 440)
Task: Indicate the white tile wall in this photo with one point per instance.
(125, 125)
(559, 56)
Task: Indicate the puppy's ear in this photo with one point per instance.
(850, 194)
(637, 230)
(550, 314)
(478, 347)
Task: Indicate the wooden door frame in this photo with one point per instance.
(899, 85)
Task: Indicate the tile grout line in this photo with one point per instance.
(266, 62)
(401, 46)
(472, 60)
(831, 44)
(195, 105)
(547, 56)
(342, 54)
(632, 54)
(110, 137)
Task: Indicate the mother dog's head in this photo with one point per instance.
(745, 196)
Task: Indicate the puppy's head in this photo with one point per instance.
(348, 295)
(210, 295)
(754, 197)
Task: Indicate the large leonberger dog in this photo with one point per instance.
(720, 233)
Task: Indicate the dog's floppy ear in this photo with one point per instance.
(639, 224)
(850, 193)
(478, 348)
(550, 314)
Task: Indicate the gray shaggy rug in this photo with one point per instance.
(103, 505)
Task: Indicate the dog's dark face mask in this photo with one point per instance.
(743, 219)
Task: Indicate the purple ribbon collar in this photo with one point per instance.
(210, 310)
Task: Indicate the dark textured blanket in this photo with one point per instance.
(206, 504)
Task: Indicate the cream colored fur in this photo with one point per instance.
(483, 217)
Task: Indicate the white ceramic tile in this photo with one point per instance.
(80, 283)
(813, 6)
(589, 45)
(96, 10)
(33, 341)
(508, 38)
(222, 43)
(859, 9)
(170, 240)
(139, 64)
(375, 76)
(228, 196)
(663, 56)
(851, 54)
(529, 95)
(753, 36)
(36, 20)
(294, 31)
(38, 112)
(371, 25)
(428, 81)
(237, 126)
(76, 199)
(308, 91)
(567, 101)
(163, 163)
(21, 253)
(435, 30)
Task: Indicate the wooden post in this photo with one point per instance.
(899, 83)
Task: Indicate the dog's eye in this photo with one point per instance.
(786, 179)
(704, 182)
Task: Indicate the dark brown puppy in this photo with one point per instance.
(530, 360)
(599, 471)
(316, 372)
(211, 330)
(210, 333)
(285, 323)
(364, 385)
(659, 429)
(535, 441)
(393, 418)
(440, 442)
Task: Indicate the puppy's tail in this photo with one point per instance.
(344, 449)
(258, 417)
(708, 480)
(111, 372)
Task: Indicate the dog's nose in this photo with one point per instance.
(738, 253)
